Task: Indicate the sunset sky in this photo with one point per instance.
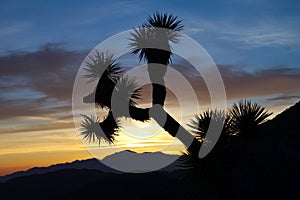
(255, 44)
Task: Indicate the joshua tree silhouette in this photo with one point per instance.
(241, 122)
(247, 116)
(151, 42)
(105, 67)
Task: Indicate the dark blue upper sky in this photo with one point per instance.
(251, 33)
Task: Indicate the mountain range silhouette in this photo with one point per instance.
(94, 164)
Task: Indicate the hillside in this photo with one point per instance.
(270, 166)
(284, 131)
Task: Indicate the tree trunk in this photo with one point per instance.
(157, 66)
(168, 123)
(156, 72)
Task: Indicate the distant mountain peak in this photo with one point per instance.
(126, 156)
(129, 161)
(129, 151)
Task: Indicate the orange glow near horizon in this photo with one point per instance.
(47, 144)
(24, 150)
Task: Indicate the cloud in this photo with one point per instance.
(240, 83)
(41, 107)
(48, 60)
(14, 28)
(248, 33)
(243, 84)
(269, 38)
(49, 71)
(38, 83)
(284, 97)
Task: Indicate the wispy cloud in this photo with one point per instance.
(243, 84)
(38, 83)
(240, 83)
(257, 33)
(284, 97)
(255, 38)
(13, 28)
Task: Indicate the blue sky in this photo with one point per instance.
(255, 34)
(255, 43)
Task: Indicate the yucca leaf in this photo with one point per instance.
(93, 130)
(102, 64)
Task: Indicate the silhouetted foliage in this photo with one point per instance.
(151, 41)
(164, 21)
(104, 68)
(110, 127)
(214, 170)
(128, 90)
(247, 116)
(244, 118)
(102, 65)
(200, 125)
(89, 128)
(95, 131)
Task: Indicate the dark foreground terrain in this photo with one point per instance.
(76, 184)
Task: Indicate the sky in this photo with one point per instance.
(255, 44)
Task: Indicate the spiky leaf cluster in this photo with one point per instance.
(103, 67)
(201, 123)
(93, 130)
(165, 20)
(154, 36)
(128, 89)
(242, 119)
(102, 64)
(247, 116)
